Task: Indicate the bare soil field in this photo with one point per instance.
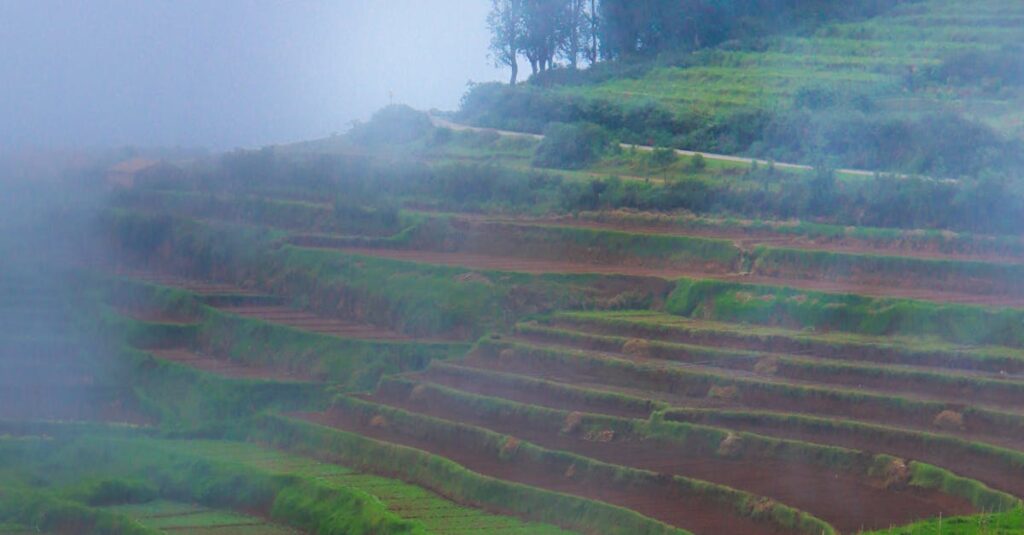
(698, 516)
(1004, 393)
(541, 266)
(199, 287)
(978, 426)
(719, 335)
(901, 442)
(846, 501)
(227, 367)
(749, 239)
(555, 396)
(308, 321)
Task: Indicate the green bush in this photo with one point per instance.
(571, 146)
(664, 157)
(394, 124)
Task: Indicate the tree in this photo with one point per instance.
(573, 28)
(505, 22)
(592, 32)
(544, 24)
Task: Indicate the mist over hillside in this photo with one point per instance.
(692, 268)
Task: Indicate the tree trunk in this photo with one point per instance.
(593, 32)
(515, 71)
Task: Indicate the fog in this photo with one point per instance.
(228, 73)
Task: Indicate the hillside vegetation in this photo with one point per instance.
(425, 327)
(930, 87)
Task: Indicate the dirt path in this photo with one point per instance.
(541, 266)
(845, 500)
(699, 516)
(444, 123)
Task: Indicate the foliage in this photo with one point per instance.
(171, 470)
(396, 124)
(571, 146)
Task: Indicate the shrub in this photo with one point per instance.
(571, 146)
(393, 124)
(663, 157)
(698, 163)
(949, 421)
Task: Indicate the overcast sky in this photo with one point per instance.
(226, 73)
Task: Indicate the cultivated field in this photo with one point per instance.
(429, 334)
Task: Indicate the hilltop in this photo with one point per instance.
(931, 87)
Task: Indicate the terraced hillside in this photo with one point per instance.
(412, 329)
(878, 52)
(604, 371)
(867, 94)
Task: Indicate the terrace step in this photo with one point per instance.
(997, 361)
(937, 292)
(230, 368)
(308, 321)
(1001, 249)
(675, 501)
(529, 389)
(692, 388)
(1001, 468)
(918, 383)
(438, 514)
(199, 287)
(824, 491)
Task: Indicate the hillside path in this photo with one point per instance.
(445, 123)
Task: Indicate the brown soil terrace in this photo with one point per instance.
(307, 321)
(699, 516)
(227, 367)
(845, 500)
(703, 333)
(995, 395)
(445, 375)
(751, 398)
(279, 314)
(203, 288)
(902, 443)
(540, 266)
(749, 239)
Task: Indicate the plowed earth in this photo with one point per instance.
(539, 266)
(308, 321)
(846, 501)
(698, 516)
(227, 367)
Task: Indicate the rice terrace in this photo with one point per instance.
(741, 267)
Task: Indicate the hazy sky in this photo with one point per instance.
(226, 73)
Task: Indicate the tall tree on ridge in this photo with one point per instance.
(592, 19)
(506, 22)
(543, 31)
(572, 28)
